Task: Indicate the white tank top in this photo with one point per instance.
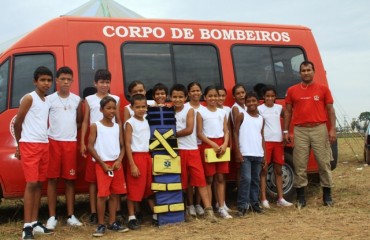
(195, 116)
(107, 141)
(239, 108)
(271, 115)
(227, 111)
(35, 124)
(250, 138)
(213, 122)
(62, 117)
(140, 134)
(94, 105)
(189, 141)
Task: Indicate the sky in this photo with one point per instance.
(341, 29)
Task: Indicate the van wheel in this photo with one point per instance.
(288, 179)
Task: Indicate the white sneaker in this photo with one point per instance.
(191, 211)
(224, 214)
(39, 228)
(199, 210)
(283, 203)
(51, 223)
(265, 204)
(225, 207)
(73, 221)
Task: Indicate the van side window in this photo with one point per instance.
(4, 79)
(257, 66)
(168, 63)
(24, 66)
(91, 57)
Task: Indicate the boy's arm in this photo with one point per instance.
(238, 121)
(264, 162)
(126, 114)
(189, 125)
(79, 115)
(128, 140)
(94, 154)
(118, 115)
(24, 107)
(84, 126)
(203, 137)
(287, 119)
(226, 136)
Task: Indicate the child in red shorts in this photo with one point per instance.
(64, 117)
(139, 171)
(271, 113)
(212, 129)
(107, 148)
(30, 129)
(191, 163)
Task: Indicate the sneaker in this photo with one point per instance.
(265, 204)
(73, 221)
(191, 211)
(256, 208)
(283, 203)
(27, 233)
(225, 207)
(39, 228)
(116, 226)
(155, 222)
(93, 218)
(100, 231)
(241, 212)
(224, 214)
(133, 224)
(51, 223)
(301, 203)
(209, 215)
(199, 210)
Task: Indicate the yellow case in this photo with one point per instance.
(160, 209)
(166, 186)
(166, 164)
(211, 156)
(176, 207)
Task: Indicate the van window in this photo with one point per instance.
(91, 57)
(166, 63)
(4, 79)
(24, 67)
(257, 66)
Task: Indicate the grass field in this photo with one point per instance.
(348, 219)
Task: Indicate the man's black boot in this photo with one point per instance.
(326, 197)
(301, 200)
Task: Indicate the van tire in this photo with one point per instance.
(288, 179)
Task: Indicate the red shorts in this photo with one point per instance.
(211, 169)
(35, 161)
(108, 185)
(276, 151)
(63, 159)
(90, 173)
(192, 171)
(140, 187)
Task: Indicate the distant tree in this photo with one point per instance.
(355, 125)
(365, 118)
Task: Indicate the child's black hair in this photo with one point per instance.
(102, 74)
(236, 87)
(42, 70)
(190, 85)
(65, 70)
(179, 88)
(160, 86)
(251, 94)
(209, 88)
(268, 88)
(219, 88)
(105, 100)
(137, 97)
(134, 84)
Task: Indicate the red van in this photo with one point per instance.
(152, 51)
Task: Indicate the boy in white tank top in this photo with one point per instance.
(107, 148)
(92, 114)
(249, 150)
(64, 118)
(139, 168)
(30, 130)
(192, 171)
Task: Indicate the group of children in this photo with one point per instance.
(117, 154)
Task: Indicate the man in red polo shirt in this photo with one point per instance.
(313, 108)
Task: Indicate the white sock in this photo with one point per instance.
(34, 222)
(131, 217)
(155, 216)
(27, 225)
